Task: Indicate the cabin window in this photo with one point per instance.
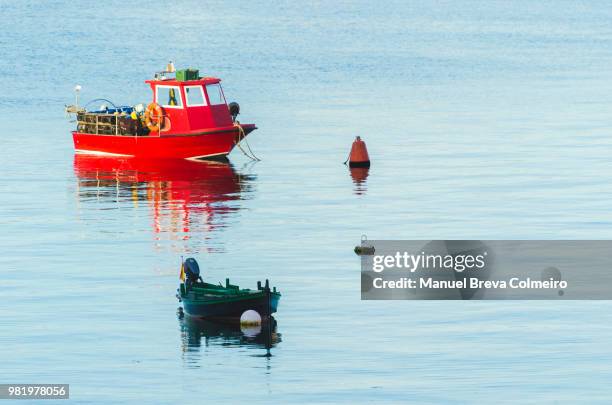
(195, 96)
(215, 94)
(169, 96)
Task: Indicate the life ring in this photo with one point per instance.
(154, 117)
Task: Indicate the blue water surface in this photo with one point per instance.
(484, 120)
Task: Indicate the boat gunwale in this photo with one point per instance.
(229, 298)
(246, 127)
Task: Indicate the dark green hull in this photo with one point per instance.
(232, 307)
(203, 300)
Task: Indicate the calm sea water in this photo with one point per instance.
(487, 120)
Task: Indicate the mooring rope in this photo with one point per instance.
(347, 158)
(242, 137)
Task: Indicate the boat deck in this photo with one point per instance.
(111, 122)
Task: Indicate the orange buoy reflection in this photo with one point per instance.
(359, 176)
(185, 197)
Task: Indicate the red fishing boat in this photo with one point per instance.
(188, 118)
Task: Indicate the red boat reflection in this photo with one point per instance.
(185, 196)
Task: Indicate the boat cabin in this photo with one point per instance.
(191, 105)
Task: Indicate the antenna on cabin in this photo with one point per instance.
(170, 68)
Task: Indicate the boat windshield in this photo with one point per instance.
(215, 94)
(169, 96)
(195, 96)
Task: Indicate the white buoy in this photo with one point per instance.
(250, 318)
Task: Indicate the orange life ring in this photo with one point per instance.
(154, 116)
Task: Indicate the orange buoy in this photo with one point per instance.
(359, 154)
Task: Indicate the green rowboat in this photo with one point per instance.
(210, 301)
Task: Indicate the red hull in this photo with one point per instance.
(199, 145)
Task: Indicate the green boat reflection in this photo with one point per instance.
(196, 333)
